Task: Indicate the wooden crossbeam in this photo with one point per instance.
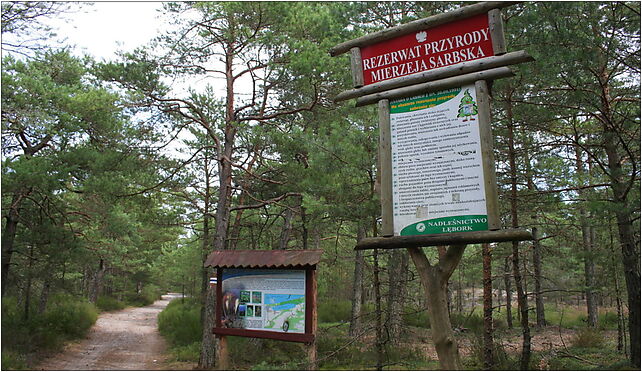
(505, 235)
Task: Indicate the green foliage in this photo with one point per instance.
(588, 338)
(12, 361)
(283, 355)
(66, 318)
(180, 322)
(473, 322)
(566, 316)
(106, 303)
(415, 318)
(187, 353)
(583, 359)
(69, 316)
(334, 311)
(607, 320)
(147, 296)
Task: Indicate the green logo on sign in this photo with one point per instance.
(423, 101)
(478, 222)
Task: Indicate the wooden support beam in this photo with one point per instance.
(433, 86)
(496, 28)
(385, 167)
(474, 237)
(419, 25)
(487, 156)
(356, 67)
(487, 63)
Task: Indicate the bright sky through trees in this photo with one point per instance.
(103, 28)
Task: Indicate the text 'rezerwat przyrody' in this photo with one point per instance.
(440, 53)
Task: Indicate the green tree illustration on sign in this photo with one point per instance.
(467, 107)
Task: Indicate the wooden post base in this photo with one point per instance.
(222, 354)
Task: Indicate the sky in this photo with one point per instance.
(105, 27)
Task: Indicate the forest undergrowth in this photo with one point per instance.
(568, 345)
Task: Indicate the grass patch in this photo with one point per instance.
(566, 316)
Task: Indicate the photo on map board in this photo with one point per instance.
(245, 296)
(256, 297)
(250, 311)
(257, 311)
(241, 310)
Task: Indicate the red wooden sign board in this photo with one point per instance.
(440, 46)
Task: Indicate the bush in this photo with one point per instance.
(588, 338)
(109, 304)
(69, 316)
(147, 296)
(66, 318)
(473, 322)
(180, 322)
(416, 318)
(333, 311)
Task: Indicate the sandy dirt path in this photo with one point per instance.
(122, 340)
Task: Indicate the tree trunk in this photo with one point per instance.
(537, 249)
(489, 361)
(27, 303)
(357, 284)
(44, 295)
(537, 268)
(287, 229)
(97, 282)
(208, 354)
(435, 280)
(509, 293)
(8, 237)
(625, 220)
(587, 246)
(618, 301)
(208, 345)
(397, 268)
(522, 300)
(378, 315)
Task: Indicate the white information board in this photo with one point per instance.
(437, 173)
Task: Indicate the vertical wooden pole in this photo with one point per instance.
(385, 167)
(356, 67)
(496, 26)
(312, 346)
(222, 354)
(488, 159)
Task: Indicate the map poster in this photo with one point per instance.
(437, 173)
(265, 300)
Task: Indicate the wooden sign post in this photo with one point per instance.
(438, 184)
(266, 294)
